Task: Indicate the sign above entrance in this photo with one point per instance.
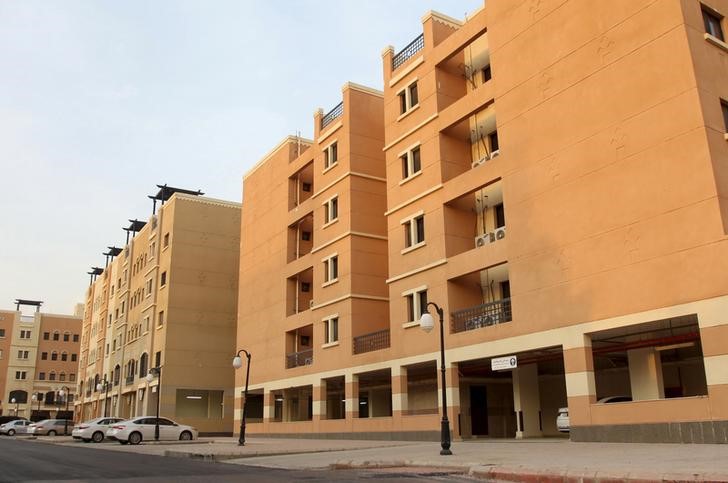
(504, 363)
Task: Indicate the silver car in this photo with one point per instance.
(19, 426)
(50, 427)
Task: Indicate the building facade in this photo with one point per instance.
(167, 300)
(556, 184)
(38, 362)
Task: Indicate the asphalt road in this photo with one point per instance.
(24, 460)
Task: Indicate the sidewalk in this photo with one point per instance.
(502, 460)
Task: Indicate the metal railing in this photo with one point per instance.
(296, 359)
(337, 111)
(411, 49)
(129, 380)
(371, 342)
(483, 315)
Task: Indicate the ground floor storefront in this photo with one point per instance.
(655, 376)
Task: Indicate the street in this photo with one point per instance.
(26, 460)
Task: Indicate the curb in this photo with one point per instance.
(530, 475)
(216, 457)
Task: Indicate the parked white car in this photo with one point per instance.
(19, 426)
(562, 420)
(140, 429)
(94, 430)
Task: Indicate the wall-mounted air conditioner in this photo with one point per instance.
(482, 240)
(494, 154)
(480, 161)
(499, 233)
(493, 236)
(310, 304)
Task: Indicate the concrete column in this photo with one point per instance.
(352, 395)
(400, 404)
(268, 406)
(645, 374)
(580, 385)
(319, 401)
(527, 401)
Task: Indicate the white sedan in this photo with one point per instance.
(140, 429)
(93, 430)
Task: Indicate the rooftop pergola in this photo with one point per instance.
(31, 303)
(165, 192)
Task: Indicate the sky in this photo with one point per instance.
(100, 101)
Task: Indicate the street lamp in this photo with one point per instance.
(65, 393)
(427, 323)
(237, 364)
(156, 372)
(14, 401)
(105, 385)
(35, 398)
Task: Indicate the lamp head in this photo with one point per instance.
(34, 397)
(150, 377)
(427, 322)
(237, 362)
(13, 400)
(61, 393)
(99, 387)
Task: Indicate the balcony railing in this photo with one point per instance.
(371, 342)
(480, 316)
(88, 392)
(411, 49)
(332, 114)
(296, 359)
(129, 380)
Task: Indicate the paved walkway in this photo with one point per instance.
(504, 460)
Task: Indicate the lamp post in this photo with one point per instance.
(156, 372)
(65, 393)
(427, 323)
(237, 364)
(15, 401)
(35, 398)
(105, 385)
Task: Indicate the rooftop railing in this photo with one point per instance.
(406, 53)
(483, 315)
(373, 341)
(334, 113)
(302, 358)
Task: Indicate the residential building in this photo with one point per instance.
(167, 299)
(38, 361)
(556, 183)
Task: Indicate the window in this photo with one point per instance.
(331, 155)
(331, 268)
(62, 377)
(493, 139)
(75, 337)
(416, 303)
(331, 330)
(500, 216)
(411, 164)
(2, 332)
(41, 376)
(306, 187)
(160, 319)
(21, 375)
(149, 287)
(72, 377)
(306, 235)
(408, 98)
(123, 306)
(74, 357)
(331, 210)
(305, 287)
(723, 106)
(46, 336)
(165, 240)
(25, 334)
(712, 20)
(54, 356)
(52, 376)
(56, 336)
(487, 74)
(158, 359)
(66, 337)
(23, 355)
(414, 230)
(146, 324)
(163, 279)
(1, 354)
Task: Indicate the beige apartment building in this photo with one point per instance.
(38, 361)
(167, 299)
(554, 176)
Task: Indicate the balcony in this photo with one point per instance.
(371, 342)
(297, 359)
(410, 50)
(483, 315)
(299, 292)
(129, 380)
(334, 113)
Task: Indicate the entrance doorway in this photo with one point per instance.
(479, 408)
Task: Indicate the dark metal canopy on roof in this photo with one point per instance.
(96, 271)
(34, 303)
(113, 251)
(135, 225)
(165, 192)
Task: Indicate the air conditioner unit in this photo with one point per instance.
(499, 233)
(308, 361)
(480, 161)
(482, 240)
(310, 304)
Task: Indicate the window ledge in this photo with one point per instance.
(330, 344)
(331, 166)
(716, 41)
(413, 247)
(330, 282)
(411, 177)
(417, 106)
(409, 325)
(326, 225)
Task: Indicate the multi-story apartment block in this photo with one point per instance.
(38, 361)
(167, 300)
(556, 183)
